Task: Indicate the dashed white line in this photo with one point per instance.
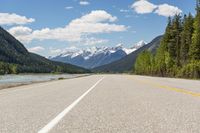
(59, 117)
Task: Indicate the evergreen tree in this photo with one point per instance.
(186, 38)
(167, 36)
(175, 41)
(179, 52)
(195, 48)
(160, 64)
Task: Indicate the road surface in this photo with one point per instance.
(103, 104)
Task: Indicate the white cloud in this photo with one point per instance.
(12, 18)
(95, 17)
(167, 10)
(143, 6)
(20, 30)
(21, 33)
(69, 7)
(36, 49)
(96, 22)
(84, 3)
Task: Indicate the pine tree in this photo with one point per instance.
(179, 52)
(160, 61)
(195, 47)
(186, 38)
(175, 42)
(167, 36)
(164, 60)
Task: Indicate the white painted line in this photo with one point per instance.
(59, 117)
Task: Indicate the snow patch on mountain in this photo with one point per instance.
(139, 44)
(96, 56)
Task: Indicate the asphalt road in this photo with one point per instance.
(102, 104)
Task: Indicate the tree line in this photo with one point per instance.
(6, 68)
(10, 68)
(179, 52)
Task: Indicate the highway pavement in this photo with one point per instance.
(102, 104)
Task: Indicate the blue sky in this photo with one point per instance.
(48, 27)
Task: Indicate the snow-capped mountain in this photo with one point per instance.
(139, 44)
(96, 56)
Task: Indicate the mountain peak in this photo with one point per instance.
(139, 44)
(119, 45)
(126, 64)
(96, 56)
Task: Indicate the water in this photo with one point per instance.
(29, 78)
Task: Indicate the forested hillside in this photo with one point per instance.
(126, 63)
(14, 58)
(179, 51)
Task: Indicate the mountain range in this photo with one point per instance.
(98, 59)
(126, 63)
(96, 56)
(13, 54)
